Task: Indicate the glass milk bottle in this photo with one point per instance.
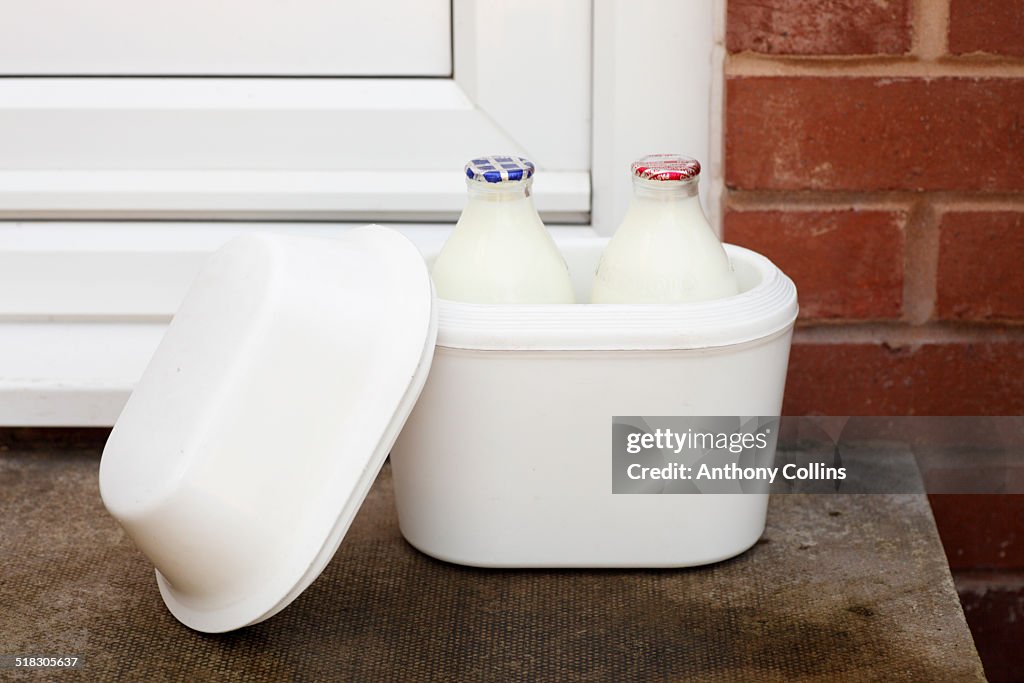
(665, 250)
(500, 251)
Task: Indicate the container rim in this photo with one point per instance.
(760, 311)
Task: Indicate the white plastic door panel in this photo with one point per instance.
(225, 37)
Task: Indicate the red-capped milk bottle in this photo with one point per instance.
(500, 251)
(665, 250)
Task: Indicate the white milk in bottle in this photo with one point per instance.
(500, 251)
(665, 250)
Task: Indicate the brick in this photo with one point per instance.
(846, 264)
(929, 379)
(846, 379)
(819, 27)
(992, 26)
(981, 266)
(993, 603)
(947, 440)
(817, 133)
(981, 531)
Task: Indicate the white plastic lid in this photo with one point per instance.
(265, 414)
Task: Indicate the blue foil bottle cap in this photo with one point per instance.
(499, 169)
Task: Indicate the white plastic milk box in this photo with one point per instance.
(296, 364)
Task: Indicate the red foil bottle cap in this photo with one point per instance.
(666, 167)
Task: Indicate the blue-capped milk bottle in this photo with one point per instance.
(500, 251)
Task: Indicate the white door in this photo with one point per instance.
(225, 37)
(388, 145)
(136, 137)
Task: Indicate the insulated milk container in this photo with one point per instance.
(506, 459)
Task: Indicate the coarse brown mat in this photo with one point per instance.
(841, 587)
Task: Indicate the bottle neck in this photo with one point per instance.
(664, 190)
(499, 192)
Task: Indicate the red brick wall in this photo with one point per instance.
(875, 151)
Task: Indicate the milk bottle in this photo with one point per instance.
(500, 251)
(665, 250)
